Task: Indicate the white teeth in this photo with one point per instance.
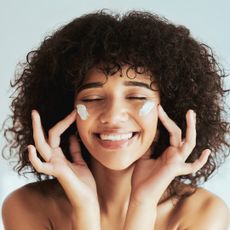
(116, 137)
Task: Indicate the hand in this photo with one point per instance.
(153, 176)
(76, 178)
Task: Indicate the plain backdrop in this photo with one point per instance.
(24, 23)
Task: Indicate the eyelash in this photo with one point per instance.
(91, 100)
(137, 98)
(99, 99)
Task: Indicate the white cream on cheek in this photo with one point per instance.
(146, 108)
(82, 111)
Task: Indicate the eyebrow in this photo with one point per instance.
(100, 85)
(137, 83)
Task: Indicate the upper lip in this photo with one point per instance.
(114, 131)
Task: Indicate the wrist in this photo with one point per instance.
(86, 218)
(153, 193)
(86, 206)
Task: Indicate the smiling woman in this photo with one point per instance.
(120, 117)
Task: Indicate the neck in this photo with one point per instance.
(113, 188)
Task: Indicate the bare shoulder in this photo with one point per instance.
(204, 210)
(28, 206)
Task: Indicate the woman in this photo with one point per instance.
(146, 128)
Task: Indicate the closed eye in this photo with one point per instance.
(137, 98)
(91, 99)
(87, 100)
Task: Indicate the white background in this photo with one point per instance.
(24, 23)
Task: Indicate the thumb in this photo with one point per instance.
(75, 151)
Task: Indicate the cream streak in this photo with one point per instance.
(146, 108)
(82, 111)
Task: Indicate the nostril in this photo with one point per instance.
(114, 117)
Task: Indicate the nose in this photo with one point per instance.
(115, 112)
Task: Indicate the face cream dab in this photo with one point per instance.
(146, 108)
(82, 111)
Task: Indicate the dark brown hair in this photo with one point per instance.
(185, 70)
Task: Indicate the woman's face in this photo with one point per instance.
(117, 117)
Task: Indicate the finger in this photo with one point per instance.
(190, 137)
(75, 151)
(39, 137)
(198, 164)
(170, 125)
(41, 167)
(56, 131)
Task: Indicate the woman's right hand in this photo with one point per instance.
(76, 178)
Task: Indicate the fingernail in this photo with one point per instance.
(193, 115)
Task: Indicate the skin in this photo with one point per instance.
(136, 186)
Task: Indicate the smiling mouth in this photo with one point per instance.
(113, 141)
(116, 136)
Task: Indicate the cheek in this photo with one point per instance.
(147, 108)
(149, 123)
(82, 128)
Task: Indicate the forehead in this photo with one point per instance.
(125, 74)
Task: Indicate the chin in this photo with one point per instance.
(117, 166)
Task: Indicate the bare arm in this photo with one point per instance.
(23, 211)
(213, 214)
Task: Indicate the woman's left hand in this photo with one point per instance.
(151, 177)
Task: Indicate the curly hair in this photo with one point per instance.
(185, 71)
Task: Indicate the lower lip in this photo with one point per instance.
(116, 144)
